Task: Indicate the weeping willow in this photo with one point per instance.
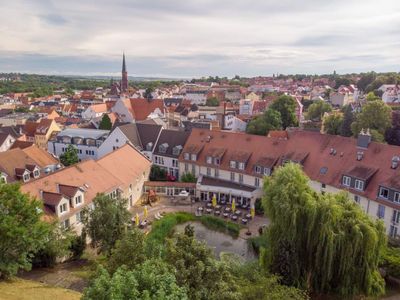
(324, 243)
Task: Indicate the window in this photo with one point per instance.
(359, 185)
(232, 176)
(393, 231)
(396, 216)
(323, 185)
(381, 211)
(396, 197)
(175, 163)
(232, 164)
(36, 173)
(209, 159)
(113, 194)
(208, 171)
(79, 216)
(26, 177)
(257, 181)
(78, 200)
(346, 180)
(186, 156)
(186, 167)
(241, 166)
(194, 157)
(258, 169)
(194, 169)
(356, 198)
(63, 208)
(383, 193)
(266, 171)
(241, 178)
(65, 224)
(176, 150)
(216, 173)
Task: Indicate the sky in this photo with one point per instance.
(194, 38)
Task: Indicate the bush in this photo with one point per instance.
(258, 242)
(390, 261)
(157, 174)
(258, 207)
(188, 177)
(78, 245)
(218, 224)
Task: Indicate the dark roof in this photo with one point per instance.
(361, 172)
(172, 138)
(266, 162)
(227, 184)
(12, 130)
(172, 101)
(21, 144)
(131, 132)
(189, 125)
(3, 137)
(51, 199)
(68, 190)
(148, 133)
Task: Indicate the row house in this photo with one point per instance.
(233, 165)
(67, 192)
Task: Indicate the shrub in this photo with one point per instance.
(390, 261)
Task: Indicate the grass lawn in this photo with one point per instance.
(19, 289)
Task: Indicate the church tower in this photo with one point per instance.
(124, 81)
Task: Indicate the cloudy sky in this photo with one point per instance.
(185, 38)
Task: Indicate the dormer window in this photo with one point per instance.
(241, 166)
(63, 208)
(217, 161)
(36, 173)
(78, 200)
(26, 177)
(163, 148)
(346, 180)
(266, 171)
(359, 185)
(149, 146)
(177, 150)
(209, 160)
(186, 156)
(258, 169)
(384, 193)
(232, 164)
(396, 197)
(194, 157)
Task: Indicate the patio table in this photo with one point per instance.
(225, 215)
(248, 216)
(208, 210)
(234, 218)
(244, 221)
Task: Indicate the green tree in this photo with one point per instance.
(325, 243)
(375, 116)
(157, 174)
(106, 222)
(148, 94)
(348, 119)
(152, 280)
(129, 251)
(333, 124)
(22, 232)
(261, 125)
(286, 106)
(105, 123)
(317, 110)
(70, 156)
(365, 80)
(372, 97)
(188, 177)
(193, 260)
(212, 101)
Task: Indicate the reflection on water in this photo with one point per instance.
(220, 242)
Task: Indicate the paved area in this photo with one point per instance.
(167, 206)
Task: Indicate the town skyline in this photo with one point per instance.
(199, 38)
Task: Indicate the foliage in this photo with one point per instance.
(157, 174)
(317, 110)
(106, 222)
(21, 230)
(57, 246)
(70, 156)
(365, 80)
(390, 261)
(261, 125)
(194, 260)
(213, 101)
(188, 177)
(372, 97)
(148, 94)
(348, 119)
(258, 242)
(152, 280)
(333, 124)
(325, 243)
(286, 106)
(78, 245)
(129, 251)
(105, 123)
(219, 224)
(376, 116)
(259, 209)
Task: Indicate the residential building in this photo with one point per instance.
(6, 141)
(139, 109)
(40, 132)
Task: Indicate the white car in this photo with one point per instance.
(184, 194)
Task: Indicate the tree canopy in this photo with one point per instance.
(261, 125)
(375, 116)
(286, 106)
(106, 222)
(22, 231)
(348, 119)
(317, 110)
(333, 124)
(212, 101)
(105, 123)
(70, 156)
(325, 243)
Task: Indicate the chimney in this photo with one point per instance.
(360, 155)
(395, 162)
(58, 187)
(363, 139)
(41, 194)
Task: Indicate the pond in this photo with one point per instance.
(220, 242)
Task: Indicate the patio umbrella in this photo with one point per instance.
(137, 219)
(214, 201)
(252, 211)
(233, 205)
(145, 213)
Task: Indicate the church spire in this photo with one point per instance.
(123, 63)
(124, 81)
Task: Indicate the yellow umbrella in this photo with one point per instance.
(233, 205)
(252, 211)
(137, 219)
(145, 213)
(214, 201)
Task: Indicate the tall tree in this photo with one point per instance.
(22, 232)
(317, 110)
(372, 97)
(261, 125)
(375, 116)
(286, 106)
(333, 124)
(324, 242)
(348, 119)
(105, 123)
(148, 93)
(106, 222)
(70, 156)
